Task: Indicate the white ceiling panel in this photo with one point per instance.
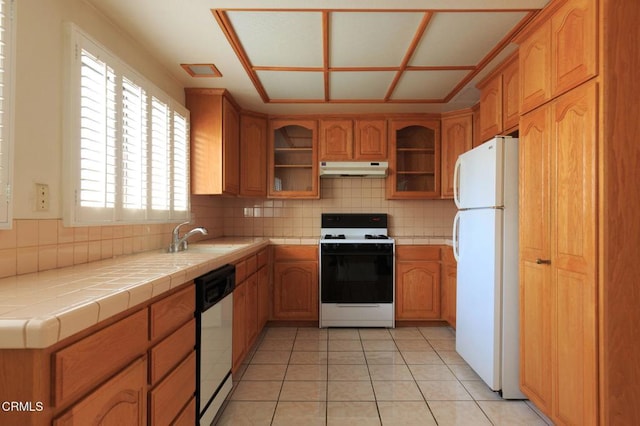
(359, 85)
(370, 39)
(284, 39)
(462, 38)
(292, 85)
(427, 84)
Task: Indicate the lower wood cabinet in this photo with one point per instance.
(295, 283)
(417, 282)
(448, 291)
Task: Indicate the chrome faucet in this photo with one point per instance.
(180, 243)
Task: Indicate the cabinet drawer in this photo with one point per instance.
(122, 400)
(187, 416)
(168, 353)
(263, 258)
(173, 311)
(295, 253)
(168, 398)
(84, 364)
(417, 253)
(241, 272)
(252, 262)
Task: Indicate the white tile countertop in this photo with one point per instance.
(38, 310)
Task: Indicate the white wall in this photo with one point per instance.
(39, 94)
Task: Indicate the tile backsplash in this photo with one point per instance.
(38, 245)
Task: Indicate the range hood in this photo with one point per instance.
(369, 169)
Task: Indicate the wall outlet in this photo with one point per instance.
(42, 197)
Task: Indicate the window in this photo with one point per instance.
(126, 143)
(7, 48)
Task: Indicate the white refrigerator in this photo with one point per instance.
(485, 234)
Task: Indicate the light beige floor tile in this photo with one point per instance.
(511, 413)
(405, 413)
(247, 413)
(451, 357)
(346, 357)
(271, 357)
(341, 413)
(350, 391)
(376, 357)
(275, 345)
(397, 391)
(300, 413)
(437, 332)
(458, 413)
(480, 391)
(312, 334)
(310, 345)
(374, 334)
(265, 372)
(431, 372)
(306, 372)
(404, 333)
(308, 357)
(281, 333)
(443, 390)
(303, 391)
(422, 357)
(379, 345)
(390, 372)
(464, 372)
(348, 372)
(344, 334)
(345, 345)
(443, 344)
(413, 345)
(257, 391)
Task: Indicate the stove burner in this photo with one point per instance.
(375, 237)
(334, 237)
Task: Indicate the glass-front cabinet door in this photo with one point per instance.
(293, 159)
(414, 159)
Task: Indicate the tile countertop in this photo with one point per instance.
(38, 310)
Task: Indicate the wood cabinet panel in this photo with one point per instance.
(477, 139)
(230, 148)
(251, 317)
(239, 336)
(417, 252)
(84, 364)
(510, 96)
(264, 297)
(167, 354)
(448, 290)
(370, 140)
(168, 398)
(295, 290)
(253, 156)
(187, 416)
(171, 312)
(295, 253)
(535, 68)
(491, 108)
(417, 290)
(120, 401)
(336, 140)
(457, 138)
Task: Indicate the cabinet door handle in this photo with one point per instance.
(543, 261)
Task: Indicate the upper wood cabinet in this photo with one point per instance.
(457, 138)
(215, 142)
(253, 156)
(558, 54)
(414, 159)
(347, 140)
(336, 140)
(477, 140)
(499, 100)
(293, 159)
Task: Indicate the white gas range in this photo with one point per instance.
(357, 276)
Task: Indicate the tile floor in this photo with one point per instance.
(402, 376)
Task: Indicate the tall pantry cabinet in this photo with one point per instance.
(579, 162)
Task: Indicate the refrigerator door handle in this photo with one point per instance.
(456, 221)
(456, 183)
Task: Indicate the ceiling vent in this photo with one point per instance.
(201, 70)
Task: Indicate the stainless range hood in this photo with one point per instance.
(368, 169)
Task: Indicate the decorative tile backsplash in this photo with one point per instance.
(39, 245)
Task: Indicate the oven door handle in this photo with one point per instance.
(359, 305)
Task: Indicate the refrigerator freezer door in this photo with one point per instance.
(479, 176)
(478, 323)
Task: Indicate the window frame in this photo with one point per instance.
(7, 111)
(76, 212)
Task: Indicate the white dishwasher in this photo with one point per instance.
(214, 318)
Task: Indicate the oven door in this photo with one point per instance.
(356, 273)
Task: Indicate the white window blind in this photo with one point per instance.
(7, 48)
(122, 143)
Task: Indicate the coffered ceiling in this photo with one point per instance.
(317, 56)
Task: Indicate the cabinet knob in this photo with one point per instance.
(543, 261)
